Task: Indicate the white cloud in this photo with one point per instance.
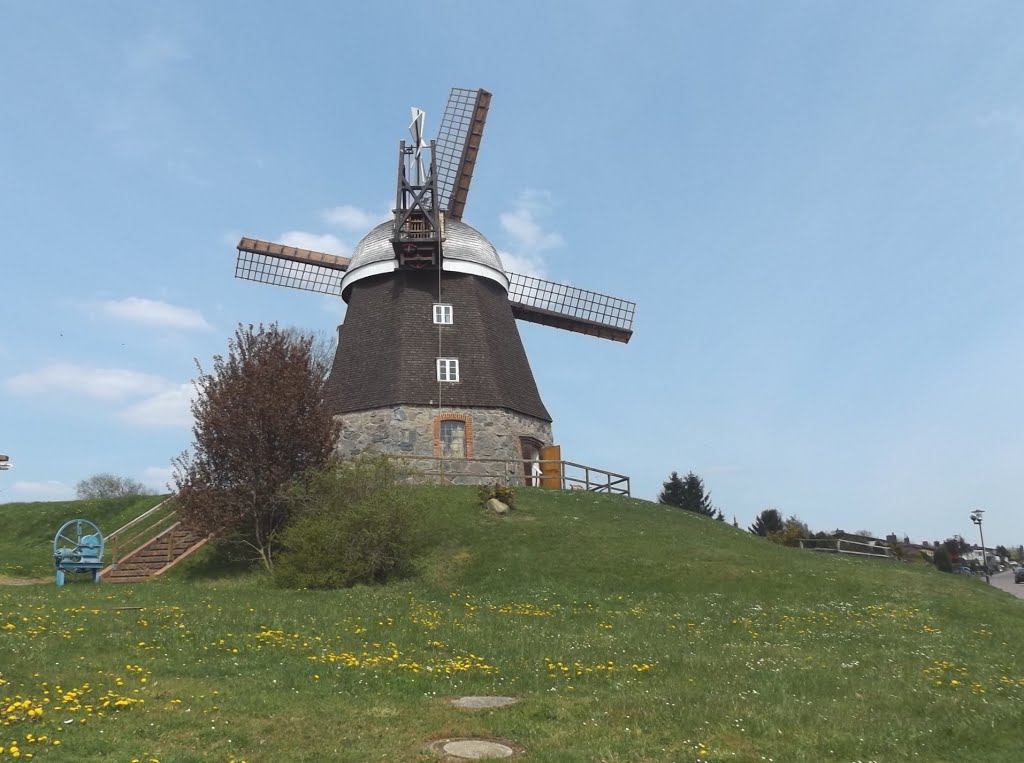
(352, 218)
(99, 383)
(524, 264)
(317, 242)
(150, 312)
(528, 239)
(522, 224)
(157, 477)
(167, 409)
(48, 490)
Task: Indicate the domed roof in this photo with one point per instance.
(465, 250)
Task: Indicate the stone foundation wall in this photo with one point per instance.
(410, 431)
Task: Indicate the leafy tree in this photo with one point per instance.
(260, 421)
(107, 485)
(687, 493)
(943, 562)
(768, 521)
(793, 529)
(795, 524)
(957, 547)
(1002, 552)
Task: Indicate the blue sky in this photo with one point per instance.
(816, 205)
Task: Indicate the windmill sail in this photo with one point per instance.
(571, 308)
(458, 142)
(280, 265)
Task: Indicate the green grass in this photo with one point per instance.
(631, 632)
(26, 540)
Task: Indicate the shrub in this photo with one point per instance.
(792, 531)
(503, 493)
(354, 524)
(943, 563)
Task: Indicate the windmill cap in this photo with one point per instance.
(465, 251)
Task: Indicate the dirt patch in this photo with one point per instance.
(5, 580)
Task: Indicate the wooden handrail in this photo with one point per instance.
(163, 511)
(140, 518)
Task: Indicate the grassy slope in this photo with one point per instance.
(631, 631)
(28, 528)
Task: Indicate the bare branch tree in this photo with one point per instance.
(108, 485)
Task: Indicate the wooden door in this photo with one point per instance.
(551, 467)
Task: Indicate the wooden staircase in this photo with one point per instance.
(164, 542)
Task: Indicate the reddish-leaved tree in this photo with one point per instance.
(260, 421)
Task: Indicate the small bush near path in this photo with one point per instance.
(503, 493)
(354, 523)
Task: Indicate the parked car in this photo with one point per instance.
(1018, 576)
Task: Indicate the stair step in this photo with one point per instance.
(143, 564)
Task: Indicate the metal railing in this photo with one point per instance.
(840, 546)
(563, 475)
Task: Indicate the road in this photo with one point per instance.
(1004, 580)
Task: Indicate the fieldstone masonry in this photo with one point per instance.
(409, 431)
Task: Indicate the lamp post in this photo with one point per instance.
(976, 518)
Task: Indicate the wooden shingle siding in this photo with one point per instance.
(388, 346)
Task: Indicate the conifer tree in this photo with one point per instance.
(672, 491)
(768, 521)
(687, 493)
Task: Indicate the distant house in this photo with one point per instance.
(975, 555)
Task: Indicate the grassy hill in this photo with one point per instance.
(26, 540)
(629, 631)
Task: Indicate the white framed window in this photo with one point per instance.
(447, 369)
(443, 314)
(453, 438)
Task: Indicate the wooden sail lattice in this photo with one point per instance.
(571, 308)
(290, 266)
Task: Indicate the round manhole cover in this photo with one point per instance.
(473, 748)
(477, 703)
(476, 749)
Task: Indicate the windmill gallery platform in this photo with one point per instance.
(430, 365)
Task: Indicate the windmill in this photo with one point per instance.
(429, 360)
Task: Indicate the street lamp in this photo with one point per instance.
(976, 518)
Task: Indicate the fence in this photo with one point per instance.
(840, 546)
(479, 471)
